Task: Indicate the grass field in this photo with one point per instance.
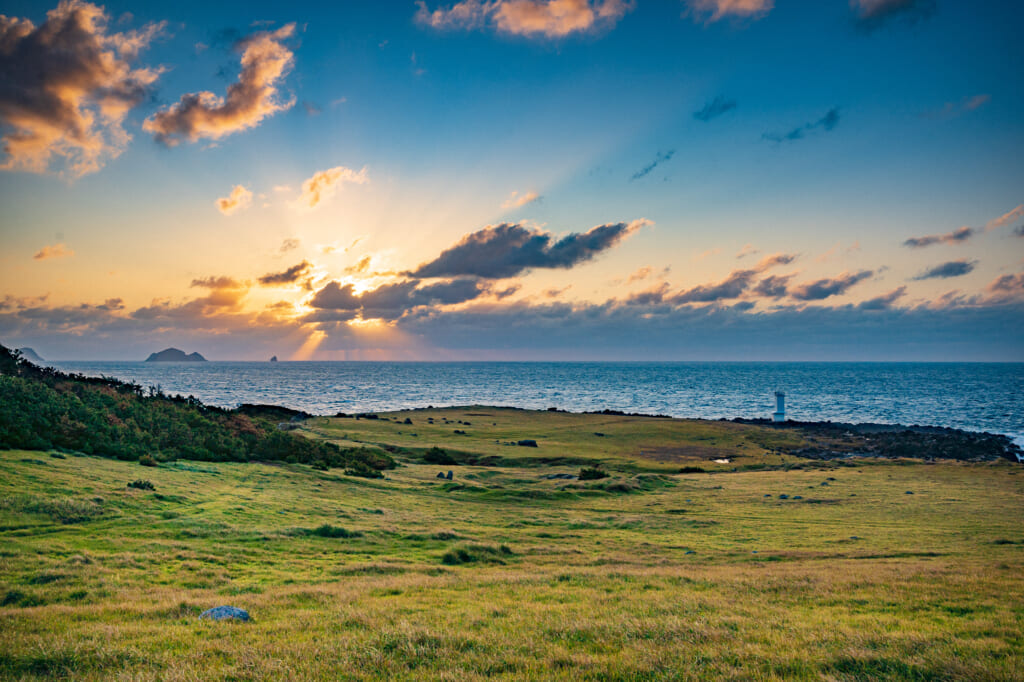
(866, 570)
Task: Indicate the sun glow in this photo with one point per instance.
(309, 346)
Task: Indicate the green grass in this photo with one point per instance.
(501, 573)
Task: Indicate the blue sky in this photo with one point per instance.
(841, 131)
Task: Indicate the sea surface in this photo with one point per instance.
(973, 396)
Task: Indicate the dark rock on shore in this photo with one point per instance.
(837, 440)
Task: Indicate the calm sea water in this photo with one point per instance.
(974, 396)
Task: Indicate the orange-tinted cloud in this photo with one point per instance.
(1006, 218)
(217, 282)
(821, 289)
(53, 251)
(711, 11)
(265, 62)
(517, 200)
(67, 86)
(239, 198)
(289, 276)
(325, 183)
(532, 18)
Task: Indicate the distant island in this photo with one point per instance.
(30, 355)
(273, 359)
(174, 355)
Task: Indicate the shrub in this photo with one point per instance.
(142, 484)
(329, 531)
(147, 461)
(363, 471)
(436, 455)
(470, 554)
(592, 474)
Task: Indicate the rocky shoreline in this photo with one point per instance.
(838, 440)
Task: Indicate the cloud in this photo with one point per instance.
(215, 282)
(529, 18)
(957, 236)
(641, 274)
(1019, 231)
(66, 87)
(1006, 287)
(710, 11)
(265, 62)
(292, 274)
(774, 260)
(289, 245)
(825, 288)
(773, 286)
(715, 108)
(505, 250)
(964, 233)
(1005, 219)
(735, 285)
(661, 158)
(311, 109)
(323, 185)
(872, 14)
(517, 200)
(953, 268)
(391, 301)
(827, 123)
(361, 267)
(240, 198)
(883, 302)
(965, 328)
(747, 250)
(954, 109)
(49, 251)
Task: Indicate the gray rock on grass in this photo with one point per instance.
(225, 613)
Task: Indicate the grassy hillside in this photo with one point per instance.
(41, 408)
(872, 570)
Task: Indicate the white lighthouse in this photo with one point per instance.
(780, 407)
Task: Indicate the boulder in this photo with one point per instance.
(225, 613)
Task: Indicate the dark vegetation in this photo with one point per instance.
(592, 474)
(472, 554)
(45, 409)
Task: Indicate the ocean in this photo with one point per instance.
(972, 396)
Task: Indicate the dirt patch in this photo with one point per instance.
(681, 453)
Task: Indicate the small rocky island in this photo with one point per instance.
(174, 355)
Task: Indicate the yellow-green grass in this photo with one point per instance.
(640, 576)
(629, 443)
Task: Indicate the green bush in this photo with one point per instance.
(470, 554)
(592, 474)
(436, 455)
(147, 461)
(142, 484)
(329, 531)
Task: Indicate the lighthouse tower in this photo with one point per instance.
(780, 407)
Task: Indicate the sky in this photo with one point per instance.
(514, 180)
